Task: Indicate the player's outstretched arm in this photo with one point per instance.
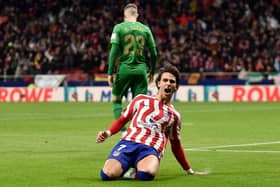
(180, 155)
(115, 127)
(102, 136)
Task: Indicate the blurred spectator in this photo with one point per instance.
(51, 36)
(276, 63)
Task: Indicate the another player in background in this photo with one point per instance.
(154, 121)
(130, 40)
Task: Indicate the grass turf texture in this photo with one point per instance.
(53, 144)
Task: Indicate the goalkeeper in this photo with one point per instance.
(129, 41)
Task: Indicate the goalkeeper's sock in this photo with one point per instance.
(117, 109)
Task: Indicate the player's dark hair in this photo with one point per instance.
(170, 69)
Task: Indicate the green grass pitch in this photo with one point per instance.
(53, 144)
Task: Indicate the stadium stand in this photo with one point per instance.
(215, 38)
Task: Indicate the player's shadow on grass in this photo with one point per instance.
(89, 180)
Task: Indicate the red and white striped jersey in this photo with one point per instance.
(152, 122)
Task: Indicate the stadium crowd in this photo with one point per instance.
(60, 36)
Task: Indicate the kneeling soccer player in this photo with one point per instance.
(153, 121)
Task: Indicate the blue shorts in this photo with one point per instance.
(130, 153)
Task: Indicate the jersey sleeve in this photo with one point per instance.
(153, 50)
(115, 38)
(154, 58)
(112, 58)
(117, 125)
(176, 146)
(131, 107)
(114, 49)
(124, 118)
(151, 40)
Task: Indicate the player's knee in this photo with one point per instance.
(104, 176)
(145, 176)
(108, 175)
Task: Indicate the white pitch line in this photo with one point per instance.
(248, 151)
(233, 109)
(47, 116)
(235, 145)
(235, 151)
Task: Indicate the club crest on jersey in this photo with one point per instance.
(151, 120)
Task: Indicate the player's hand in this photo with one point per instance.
(110, 80)
(200, 173)
(191, 172)
(150, 78)
(101, 136)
